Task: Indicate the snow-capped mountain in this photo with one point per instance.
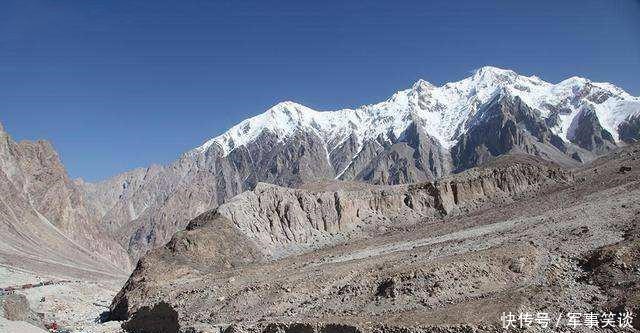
(443, 110)
(418, 134)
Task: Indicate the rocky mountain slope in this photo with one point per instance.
(419, 134)
(516, 234)
(44, 223)
(273, 222)
(282, 221)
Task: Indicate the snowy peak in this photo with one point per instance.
(288, 108)
(287, 115)
(422, 86)
(494, 71)
(282, 119)
(493, 75)
(441, 110)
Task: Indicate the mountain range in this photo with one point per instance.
(419, 134)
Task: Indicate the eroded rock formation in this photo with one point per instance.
(273, 222)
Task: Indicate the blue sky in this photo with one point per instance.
(122, 84)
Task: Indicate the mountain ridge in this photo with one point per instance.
(489, 78)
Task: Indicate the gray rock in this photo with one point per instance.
(507, 125)
(629, 130)
(587, 133)
(15, 307)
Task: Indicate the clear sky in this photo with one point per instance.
(120, 84)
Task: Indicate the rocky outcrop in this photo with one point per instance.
(209, 243)
(212, 241)
(285, 221)
(500, 179)
(15, 307)
(587, 133)
(161, 318)
(629, 130)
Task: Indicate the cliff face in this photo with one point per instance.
(284, 221)
(43, 214)
(501, 179)
(589, 134)
(412, 157)
(507, 125)
(630, 130)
